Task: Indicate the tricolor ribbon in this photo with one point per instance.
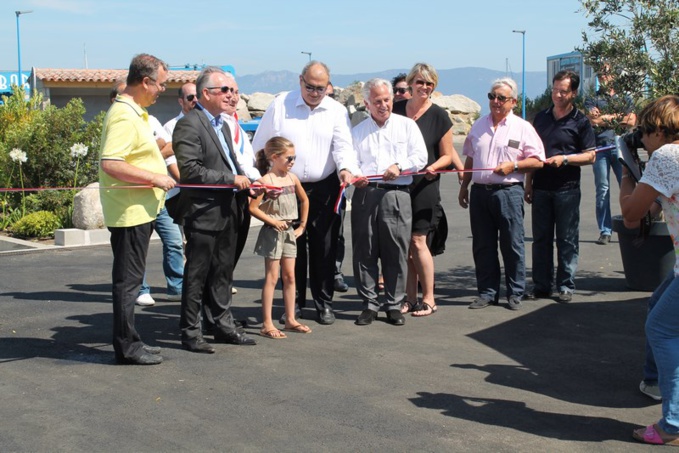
(343, 187)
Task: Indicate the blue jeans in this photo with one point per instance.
(650, 368)
(662, 331)
(494, 213)
(555, 211)
(605, 161)
(173, 254)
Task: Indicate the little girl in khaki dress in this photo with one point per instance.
(277, 238)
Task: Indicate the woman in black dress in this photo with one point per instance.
(436, 127)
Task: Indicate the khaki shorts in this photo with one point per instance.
(275, 244)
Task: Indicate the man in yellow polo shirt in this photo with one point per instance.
(130, 156)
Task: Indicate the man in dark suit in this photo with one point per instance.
(203, 146)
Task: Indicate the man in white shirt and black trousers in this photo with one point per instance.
(319, 128)
(381, 213)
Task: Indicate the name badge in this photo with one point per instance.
(514, 144)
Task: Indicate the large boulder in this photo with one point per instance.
(242, 110)
(259, 102)
(87, 212)
(456, 103)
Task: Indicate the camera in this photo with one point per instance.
(628, 144)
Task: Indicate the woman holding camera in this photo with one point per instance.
(659, 125)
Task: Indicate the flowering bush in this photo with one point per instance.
(51, 146)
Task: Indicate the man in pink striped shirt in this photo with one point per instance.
(500, 148)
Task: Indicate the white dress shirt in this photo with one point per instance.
(169, 126)
(242, 148)
(160, 132)
(399, 141)
(321, 136)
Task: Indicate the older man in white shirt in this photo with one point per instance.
(319, 128)
(391, 146)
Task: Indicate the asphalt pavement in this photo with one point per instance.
(550, 377)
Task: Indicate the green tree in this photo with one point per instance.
(636, 42)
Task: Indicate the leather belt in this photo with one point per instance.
(383, 186)
(497, 186)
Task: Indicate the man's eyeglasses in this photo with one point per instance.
(290, 159)
(400, 91)
(424, 82)
(562, 93)
(311, 88)
(499, 97)
(223, 89)
(190, 97)
(162, 86)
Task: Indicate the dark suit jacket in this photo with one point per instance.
(201, 161)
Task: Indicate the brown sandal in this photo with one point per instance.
(274, 334)
(299, 328)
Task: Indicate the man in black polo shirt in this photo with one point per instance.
(554, 190)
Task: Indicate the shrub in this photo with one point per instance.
(39, 224)
(46, 134)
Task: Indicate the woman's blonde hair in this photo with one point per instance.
(426, 71)
(273, 147)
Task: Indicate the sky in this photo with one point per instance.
(255, 36)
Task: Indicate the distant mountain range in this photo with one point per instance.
(470, 82)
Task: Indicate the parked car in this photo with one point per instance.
(250, 127)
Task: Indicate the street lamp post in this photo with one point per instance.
(19, 13)
(523, 71)
(307, 53)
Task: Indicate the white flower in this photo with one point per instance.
(18, 156)
(79, 150)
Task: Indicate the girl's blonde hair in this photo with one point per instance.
(274, 146)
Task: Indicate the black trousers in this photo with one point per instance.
(208, 278)
(320, 237)
(130, 246)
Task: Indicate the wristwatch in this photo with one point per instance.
(565, 160)
(516, 166)
(400, 170)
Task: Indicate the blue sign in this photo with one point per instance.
(7, 79)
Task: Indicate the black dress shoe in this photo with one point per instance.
(395, 317)
(200, 346)
(325, 316)
(144, 359)
(366, 318)
(236, 338)
(151, 349)
(340, 285)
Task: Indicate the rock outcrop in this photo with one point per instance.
(462, 110)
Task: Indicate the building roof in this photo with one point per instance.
(103, 75)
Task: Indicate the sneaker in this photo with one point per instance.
(174, 297)
(145, 300)
(479, 302)
(514, 303)
(604, 239)
(340, 285)
(650, 390)
(234, 290)
(564, 297)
